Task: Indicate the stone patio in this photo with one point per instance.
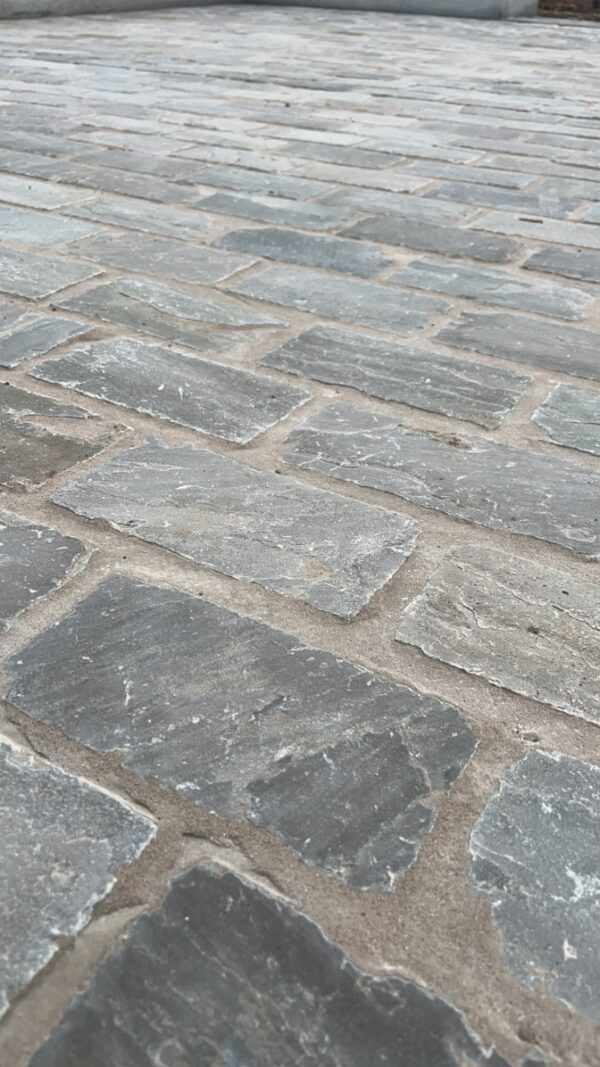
(299, 531)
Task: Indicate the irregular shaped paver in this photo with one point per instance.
(535, 850)
(138, 214)
(347, 769)
(522, 626)
(493, 485)
(34, 560)
(303, 214)
(433, 237)
(63, 841)
(40, 229)
(161, 256)
(328, 550)
(311, 250)
(34, 275)
(245, 990)
(348, 299)
(525, 340)
(571, 417)
(33, 335)
(420, 378)
(225, 401)
(492, 287)
(571, 263)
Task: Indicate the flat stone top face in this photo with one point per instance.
(34, 560)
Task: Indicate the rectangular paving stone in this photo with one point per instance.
(34, 561)
(349, 157)
(136, 214)
(398, 181)
(533, 854)
(303, 214)
(161, 257)
(432, 237)
(571, 417)
(34, 275)
(569, 262)
(420, 378)
(536, 202)
(524, 340)
(492, 287)
(248, 524)
(478, 481)
(230, 403)
(522, 626)
(263, 183)
(463, 173)
(63, 841)
(34, 335)
(39, 229)
(244, 721)
(142, 163)
(15, 189)
(226, 971)
(348, 299)
(410, 144)
(379, 202)
(170, 313)
(310, 250)
(580, 234)
(127, 183)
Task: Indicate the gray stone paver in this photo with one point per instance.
(571, 417)
(34, 560)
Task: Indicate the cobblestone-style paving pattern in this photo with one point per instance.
(299, 531)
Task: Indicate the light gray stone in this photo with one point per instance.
(32, 335)
(420, 378)
(225, 401)
(34, 561)
(398, 181)
(504, 488)
(247, 523)
(39, 229)
(535, 203)
(138, 214)
(534, 852)
(348, 157)
(379, 202)
(15, 189)
(33, 275)
(571, 417)
(263, 183)
(310, 250)
(492, 287)
(592, 214)
(571, 263)
(347, 299)
(468, 173)
(434, 237)
(347, 769)
(520, 625)
(62, 843)
(161, 257)
(303, 214)
(539, 229)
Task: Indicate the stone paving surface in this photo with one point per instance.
(299, 531)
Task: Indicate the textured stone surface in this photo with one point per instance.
(538, 229)
(526, 340)
(304, 215)
(534, 852)
(380, 202)
(34, 335)
(33, 275)
(348, 299)
(248, 523)
(34, 560)
(571, 417)
(225, 401)
(493, 485)
(426, 236)
(311, 250)
(31, 193)
(345, 768)
(245, 991)
(492, 287)
(488, 195)
(265, 184)
(134, 214)
(572, 264)
(63, 841)
(161, 257)
(420, 378)
(525, 627)
(40, 229)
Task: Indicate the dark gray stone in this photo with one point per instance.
(571, 417)
(32, 335)
(311, 250)
(62, 843)
(132, 214)
(225, 401)
(522, 626)
(539, 229)
(505, 488)
(171, 313)
(33, 275)
(247, 523)
(524, 340)
(534, 857)
(348, 299)
(162, 257)
(303, 214)
(492, 287)
(34, 561)
(263, 183)
(347, 769)
(380, 202)
(39, 229)
(535, 203)
(432, 237)
(571, 263)
(227, 973)
(428, 380)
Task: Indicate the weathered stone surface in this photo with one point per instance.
(492, 287)
(62, 843)
(349, 157)
(15, 189)
(488, 195)
(248, 523)
(32, 335)
(534, 852)
(571, 417)
(347, 769)
(571, 263)
(304, 215)
(244, 990)
(569, 233)
(592, 214)
(465, 173)
(134, 214)
(263, 183)
(524, 340)
(161, 257)
(225, 401)
(522, 626)
(348, 299)
(170, 313)
(420, 378)
(505, 488)
(398, 181)
(380, 202)
(39, 229)
(34, 560)
(433, 237)
(34, 275)
(311, 250)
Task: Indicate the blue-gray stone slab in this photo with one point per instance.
(535, 203)
(33, 335)
(381, 202)
(263, 183)
(310, 250)
(571, 417)
(566, 261)
(34, 275)
(137, 214)
(34, 561)
(306, 215)
(39, 229)
(161, 256)
(424, 236)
